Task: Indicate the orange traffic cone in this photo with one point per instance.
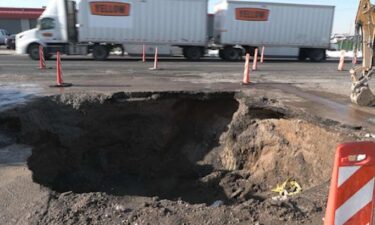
(354, 61)
(155, 60)
(59, 79)
(262, 55)
(246, 73)
(144, 54)
(42, 60)
(351, 195)
(255, 63)
(341, 62)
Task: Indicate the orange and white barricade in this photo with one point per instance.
(351, 195)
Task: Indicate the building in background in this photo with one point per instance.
(16, 20)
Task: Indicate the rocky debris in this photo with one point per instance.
(101, 208)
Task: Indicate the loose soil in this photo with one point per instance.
(174, 158)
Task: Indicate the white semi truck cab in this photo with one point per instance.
(56, 31)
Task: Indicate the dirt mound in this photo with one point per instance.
(275, 149)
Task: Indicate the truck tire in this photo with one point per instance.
(100, 52)
(302, 56)
(249, 49)
(231, 54)
(317, 55)
(47, 56)
(221, 54)
(193, 53)
(33, 51)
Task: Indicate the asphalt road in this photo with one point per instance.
(130, 74)
(317, 87)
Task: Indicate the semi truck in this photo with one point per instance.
(98, 26)
(292, 30)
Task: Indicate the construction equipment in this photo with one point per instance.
(364, 38)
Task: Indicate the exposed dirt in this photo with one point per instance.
(174, 158)
(272, 147)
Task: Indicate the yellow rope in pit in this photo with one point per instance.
(288, 188)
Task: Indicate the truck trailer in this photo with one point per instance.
(97, 26)
(302, 31)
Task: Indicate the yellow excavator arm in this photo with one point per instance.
(364, 39)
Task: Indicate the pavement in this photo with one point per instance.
(130, 74)
(316, 87)
(4, 51)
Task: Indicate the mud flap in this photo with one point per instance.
(363, 96)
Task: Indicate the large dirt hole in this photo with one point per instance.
(198, 147)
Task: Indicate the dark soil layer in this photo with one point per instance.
(142, 145)
(175, 158)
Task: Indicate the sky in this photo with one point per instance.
(343, 23)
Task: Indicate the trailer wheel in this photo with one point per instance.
(231, 54)
(249, 49)
(193, 53)
(241, 53)
(184, 52)
(302, 55)
(47, 56)
(317, 55)
(100, 52)
(33, 51)
(221, 54)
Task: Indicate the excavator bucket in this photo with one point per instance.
(364, 39)
(363, 96)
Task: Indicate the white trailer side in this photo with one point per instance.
(174, 22)
(253, 24)
(163, 50)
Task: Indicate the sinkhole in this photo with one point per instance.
(175, 145)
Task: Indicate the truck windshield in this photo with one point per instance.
(46, 24)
